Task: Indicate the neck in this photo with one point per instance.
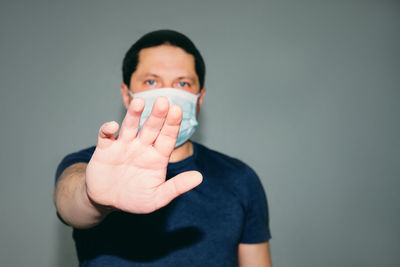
(181, 152)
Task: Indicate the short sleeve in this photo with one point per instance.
(256, 223)
(83, 155)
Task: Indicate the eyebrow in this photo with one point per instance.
(192, 79)
(151, 75)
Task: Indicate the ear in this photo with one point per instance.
(201, 97)
(200, 100)
(126, 98)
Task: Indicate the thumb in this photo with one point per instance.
(106, 134)
(176, 186)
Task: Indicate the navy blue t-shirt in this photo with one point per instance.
(202, 227)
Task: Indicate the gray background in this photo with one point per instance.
(306, 92)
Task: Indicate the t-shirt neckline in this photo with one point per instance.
(172, 166)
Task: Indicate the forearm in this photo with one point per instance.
(251, 255)
(72, 202)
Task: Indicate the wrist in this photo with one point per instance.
(101, 210)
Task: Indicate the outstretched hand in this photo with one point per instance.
(129, 172)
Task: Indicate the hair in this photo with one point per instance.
(157, 38)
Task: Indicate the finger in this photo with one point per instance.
(152, 126)
(166, 140)
(176, 186)
(130, 124)
(106, 134)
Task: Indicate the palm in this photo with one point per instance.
(129, 173)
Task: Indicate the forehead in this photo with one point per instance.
(165, 58)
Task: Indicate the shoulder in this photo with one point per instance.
(83, 155)
(231, 167)
(213, 156)
(233, 174)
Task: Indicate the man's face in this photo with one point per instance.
(164, 66)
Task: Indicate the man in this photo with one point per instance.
(150, 196)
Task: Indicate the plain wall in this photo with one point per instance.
(305, 92)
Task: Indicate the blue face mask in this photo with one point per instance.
(187, 101)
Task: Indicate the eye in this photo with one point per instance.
(150, 82)
(183, 84)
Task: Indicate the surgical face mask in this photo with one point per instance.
(187, 101)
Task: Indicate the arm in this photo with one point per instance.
(127, 172)
(72, 202)
(254, 255)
